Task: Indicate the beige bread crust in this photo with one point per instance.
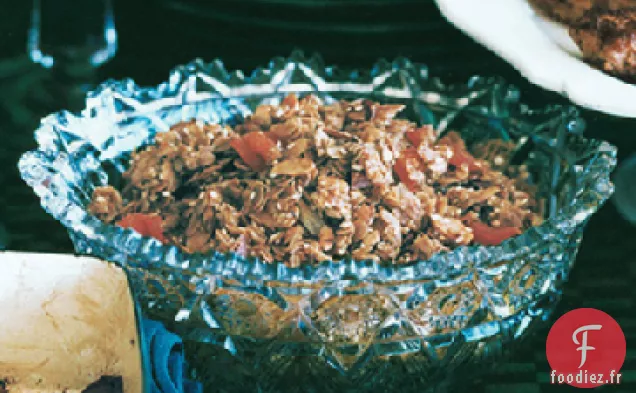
(66, 322)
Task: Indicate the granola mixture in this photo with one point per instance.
(305, 182)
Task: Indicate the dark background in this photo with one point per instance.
(154, 36)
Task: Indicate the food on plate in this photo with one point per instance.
(604, 31)
(608, 40)
(571, 12)
(306, 182)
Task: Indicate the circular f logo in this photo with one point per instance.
(586, 348)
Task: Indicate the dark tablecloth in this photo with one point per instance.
(155, 36)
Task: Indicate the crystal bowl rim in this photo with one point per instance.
(479, 256)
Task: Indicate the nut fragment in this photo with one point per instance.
(106, 203)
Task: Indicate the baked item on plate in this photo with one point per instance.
(604, 31)
(570, 12)
(608, 40)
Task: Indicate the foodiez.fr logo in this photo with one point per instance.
(586, 348)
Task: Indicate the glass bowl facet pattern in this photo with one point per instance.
(341, 325)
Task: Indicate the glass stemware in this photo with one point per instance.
(69, 31)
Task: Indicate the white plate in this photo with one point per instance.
(540, 50)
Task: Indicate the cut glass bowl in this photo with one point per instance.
(343, 325)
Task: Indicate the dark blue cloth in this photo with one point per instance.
(165, 354)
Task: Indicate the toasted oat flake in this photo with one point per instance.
(295, 167)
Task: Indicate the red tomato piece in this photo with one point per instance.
(461, 157)
(291, 101)
(400, 168)
(418, 135)
(411, 152)
(491, 236)
(150, 225)
(249, 157)
(272, 135)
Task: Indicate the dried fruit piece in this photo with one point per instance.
(304, 183)
(262, 146)
(460, 157)
(149, 225)
(490, 236)
(463, 158)
(254, 161)
(424, 134)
